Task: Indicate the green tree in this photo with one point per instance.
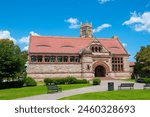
(12, 60)
(143, 62)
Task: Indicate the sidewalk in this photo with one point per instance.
(98, 88)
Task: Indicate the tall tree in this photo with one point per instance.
(11, 59)
(143, 62)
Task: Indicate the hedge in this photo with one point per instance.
(11, 84)
(66, 80)
(146, 80)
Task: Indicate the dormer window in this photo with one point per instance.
(96, 48)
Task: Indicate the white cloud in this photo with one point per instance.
(74, 23)
(33, 33)
(103, 1)
(26, 48)
(26, 39)
(99, 28)
(6, 35)
(124, 44)
(139, 22)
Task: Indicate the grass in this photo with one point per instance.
(112, 95)
(40, 83)
(13, 93)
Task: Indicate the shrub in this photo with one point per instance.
(30, 82)
(70, 80)
(48, 80)
(11, 84)
(83, 81)
(96, 81)
(146, 80)
(66, 80)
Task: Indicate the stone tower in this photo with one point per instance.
(86, 30)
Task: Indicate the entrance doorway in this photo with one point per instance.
(100, 71)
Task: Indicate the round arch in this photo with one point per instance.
(100, 69)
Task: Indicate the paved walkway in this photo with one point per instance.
(102, 87)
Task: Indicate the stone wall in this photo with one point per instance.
(86, 67)
(79, 70)
(126, 64)
(41, 71)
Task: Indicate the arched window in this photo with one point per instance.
(92, 49)
(96, 49)
(99, 49)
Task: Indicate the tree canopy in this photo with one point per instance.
(12, 60)
(143, 62)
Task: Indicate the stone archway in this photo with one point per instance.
(100, 71)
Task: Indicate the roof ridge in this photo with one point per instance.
(67, 37)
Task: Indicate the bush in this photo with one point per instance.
(11, 84)
(83, 81)
(66, 80)
(30, 82)
(96, 81)
(70, 80)
(48, 80)
(146, 80)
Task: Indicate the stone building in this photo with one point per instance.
(82, 57)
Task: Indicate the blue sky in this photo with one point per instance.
(128, 19)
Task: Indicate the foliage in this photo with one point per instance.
(66, 80)
(96, 81)
(11, 84)
(11, 60)
(83, 81)
(30, 82)
(70, 80)
(48, 80)
(142, 67)
(147, 80)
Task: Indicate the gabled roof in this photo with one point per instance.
(53, 44)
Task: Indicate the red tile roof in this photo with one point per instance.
(52, 44)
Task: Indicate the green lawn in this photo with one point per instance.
(14, 93)
(113, 95)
